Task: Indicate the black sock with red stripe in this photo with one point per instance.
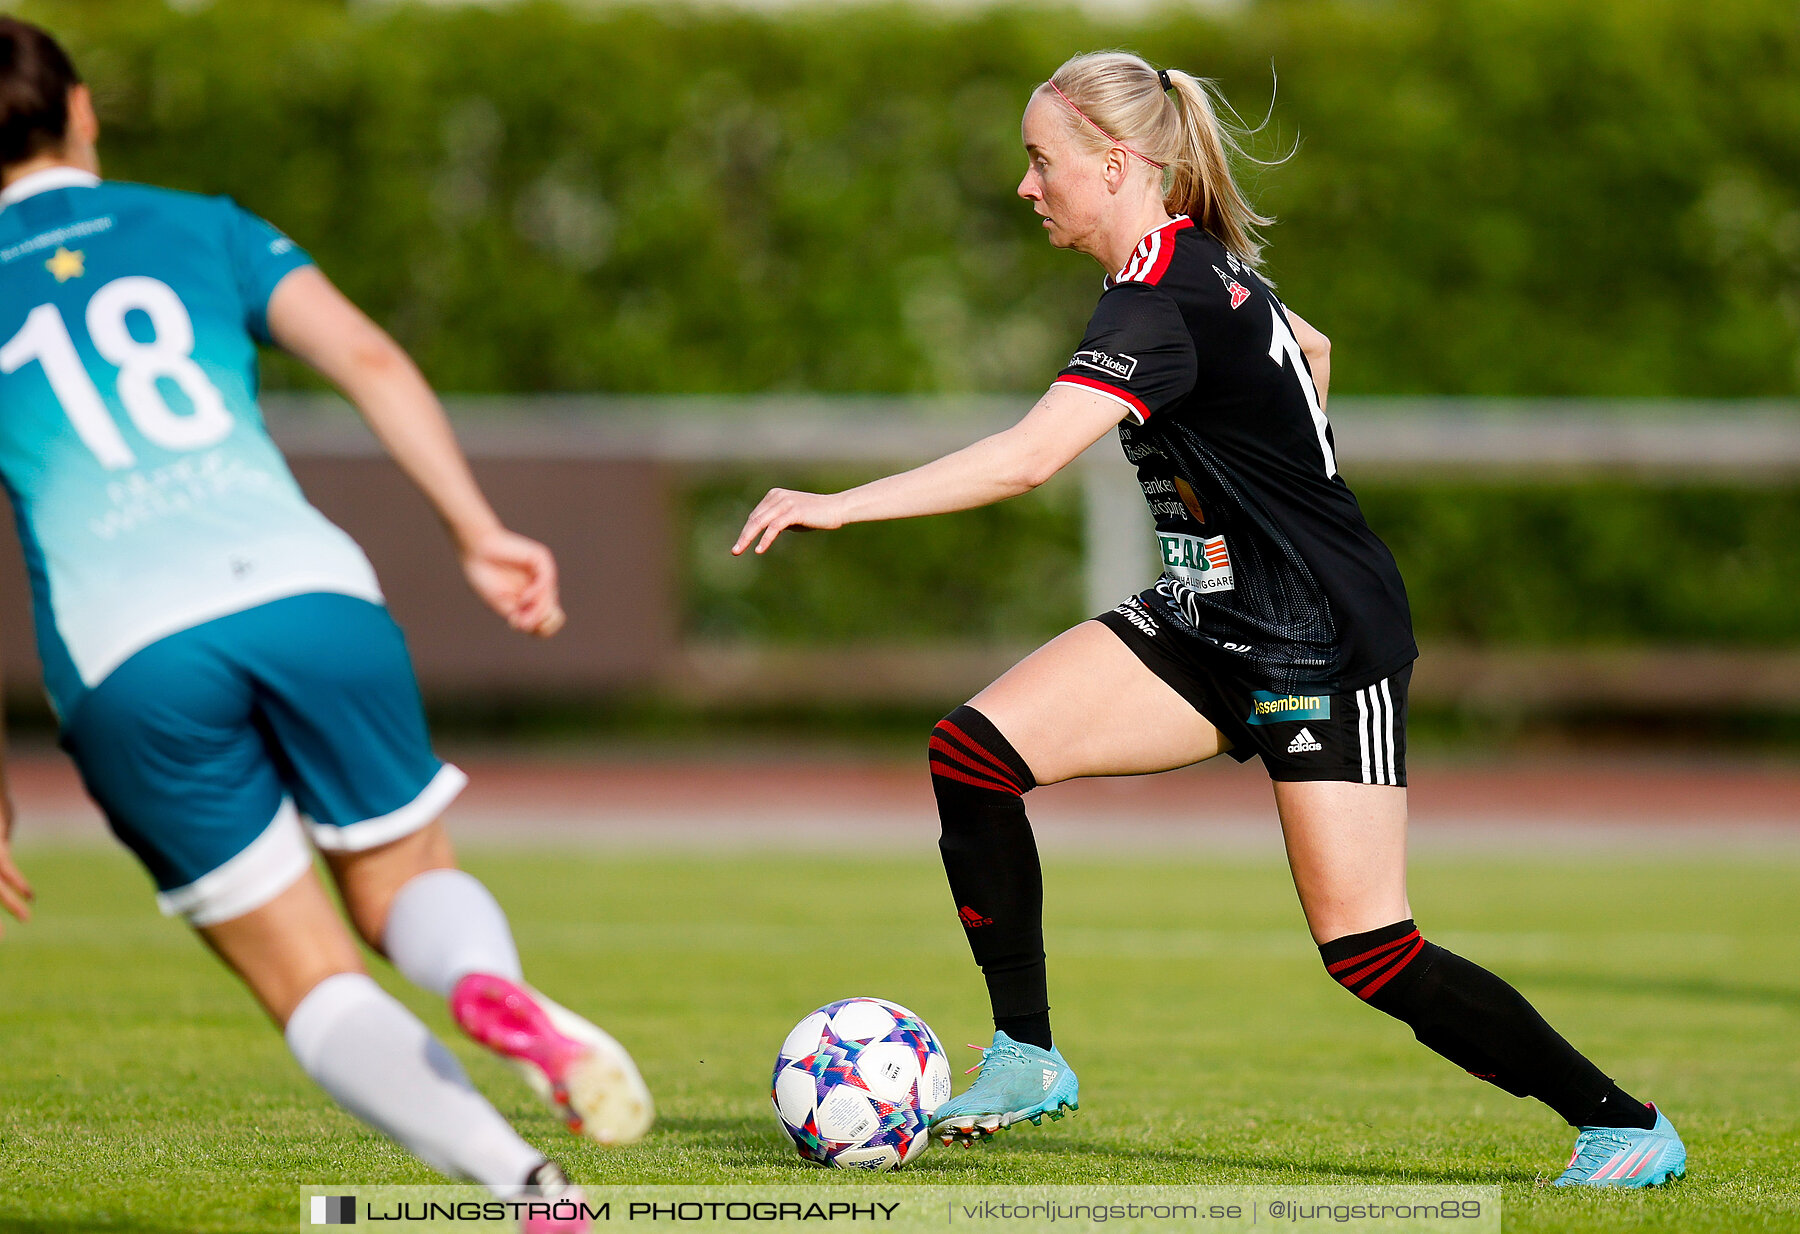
(992, 861)
(1478, 1022)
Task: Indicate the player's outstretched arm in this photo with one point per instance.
(312, 319)
(1066, 421)
(1317, 349)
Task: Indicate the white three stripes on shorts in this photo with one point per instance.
(1375, 733)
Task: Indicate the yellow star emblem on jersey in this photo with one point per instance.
(66, 265)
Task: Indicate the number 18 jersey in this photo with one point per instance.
(1269, 571)
(146, 490)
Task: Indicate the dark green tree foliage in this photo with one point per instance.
(1520, 197)
(1489, 196)
(1597, 562)
(1560, 564)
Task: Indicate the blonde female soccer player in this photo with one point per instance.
(1279, 628)
(227, 678)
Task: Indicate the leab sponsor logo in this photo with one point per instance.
(1121, 367)
(1267, 708)
(1203, 563)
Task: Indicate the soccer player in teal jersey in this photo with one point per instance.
(224, 671)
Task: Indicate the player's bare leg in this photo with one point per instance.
(372, 1055)
(1347, 849)
(369, 880)
(1346, 846)
(284, 949)
(446, 933)
(1082, 705)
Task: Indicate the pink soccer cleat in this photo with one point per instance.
(584, 1075)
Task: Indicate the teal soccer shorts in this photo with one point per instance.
(218, 751)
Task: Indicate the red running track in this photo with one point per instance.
(532, 792)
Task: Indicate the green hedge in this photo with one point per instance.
(1589, 563)
(1489, 196)
(1005, 573)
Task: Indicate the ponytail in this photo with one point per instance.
(36, 76)
(1201, 185)
(1123, 102)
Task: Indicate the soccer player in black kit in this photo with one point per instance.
(1279, 628)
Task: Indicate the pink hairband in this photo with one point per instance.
(1109, 137)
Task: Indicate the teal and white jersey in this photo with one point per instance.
(148, 495)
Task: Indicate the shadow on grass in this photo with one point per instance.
(1248, 1169)
(1699, 989)
(85, 1225)
(1320, 1171)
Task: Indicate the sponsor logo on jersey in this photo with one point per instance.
(1160, 492)
(1137, 451)
(1201, 563)
(44, 239)
(1121, 367)
(1267, 708)
(1190, 499)
(1133, 610)
(1304, 743)
(1239, 292)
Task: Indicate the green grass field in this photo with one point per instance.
(140, 1088)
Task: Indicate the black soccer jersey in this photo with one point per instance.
(1268, 567)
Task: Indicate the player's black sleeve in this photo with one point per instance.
(1137, 351)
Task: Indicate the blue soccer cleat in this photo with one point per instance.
(1018, 1081)
(1626, 1156)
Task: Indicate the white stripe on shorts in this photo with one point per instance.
(1375, 734)
(265, 868)
(432, 801)
(1362, 732)
(1388, 699)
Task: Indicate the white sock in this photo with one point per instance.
(382, 1064)
(444, 925)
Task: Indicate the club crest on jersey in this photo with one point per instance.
(1239, 292)
(1121, 367)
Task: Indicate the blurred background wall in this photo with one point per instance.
(1526, 199)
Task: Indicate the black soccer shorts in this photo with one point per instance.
(1358, 736)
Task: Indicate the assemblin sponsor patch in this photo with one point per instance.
(1267, 708)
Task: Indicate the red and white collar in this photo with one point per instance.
(1150, 259)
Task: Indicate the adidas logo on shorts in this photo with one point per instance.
(1304, 743)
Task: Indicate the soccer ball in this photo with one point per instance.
(856, 1082)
